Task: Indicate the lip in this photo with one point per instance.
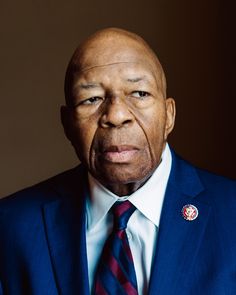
(119, 153)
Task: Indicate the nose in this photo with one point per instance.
(116, 114)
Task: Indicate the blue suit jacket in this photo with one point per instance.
(43, 245)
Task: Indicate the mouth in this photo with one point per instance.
(119, 153)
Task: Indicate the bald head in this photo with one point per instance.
(112, 46)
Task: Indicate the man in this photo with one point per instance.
(179, 236)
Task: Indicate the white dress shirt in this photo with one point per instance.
(142, 227)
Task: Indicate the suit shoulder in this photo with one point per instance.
(23, 212)
(206, 176)
(187, 174)
(220, 195)
(45, 191)
(220, 186)
(212, 179)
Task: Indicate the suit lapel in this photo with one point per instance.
(65, 230)
(178, 239)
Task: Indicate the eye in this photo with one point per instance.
(140, 94)
(91, 100)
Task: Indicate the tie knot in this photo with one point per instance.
(122, 212)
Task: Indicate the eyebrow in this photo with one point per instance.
(135, 80)
(88, 86)
(95, 85)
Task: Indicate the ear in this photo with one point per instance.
(170, 116)
(65, 120)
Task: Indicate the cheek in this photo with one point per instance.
(83, 133)
(153, 126)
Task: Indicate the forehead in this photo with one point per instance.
(125, 71)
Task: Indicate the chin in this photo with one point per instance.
(124, 176)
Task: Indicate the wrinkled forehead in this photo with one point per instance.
(111, 75)
(103, 52)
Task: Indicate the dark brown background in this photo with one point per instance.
(194, 40)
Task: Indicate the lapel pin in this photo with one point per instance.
(189, 212)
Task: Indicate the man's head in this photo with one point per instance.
(117, 115)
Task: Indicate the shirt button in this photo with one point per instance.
(129, 235)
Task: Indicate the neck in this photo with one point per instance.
(123, 190)
(126, 189)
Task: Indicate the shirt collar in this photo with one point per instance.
(148, 199)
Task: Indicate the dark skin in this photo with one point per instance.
(117, 115)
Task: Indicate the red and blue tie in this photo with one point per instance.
(116, 273)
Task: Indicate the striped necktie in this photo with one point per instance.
(116, 273)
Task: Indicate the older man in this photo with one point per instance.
(133, 218)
